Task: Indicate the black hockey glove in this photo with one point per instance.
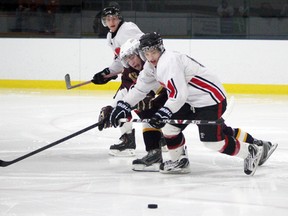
(122, 110)
(98, 78)
(104, 118)
(162, 114)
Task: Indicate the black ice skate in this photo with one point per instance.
(125, 148)
(268, 149)
(179, 166)
(149, 163)
(252, 160)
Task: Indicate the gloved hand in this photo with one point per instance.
(98, 78)
(104, 117)
(122, 110)
(162, 114)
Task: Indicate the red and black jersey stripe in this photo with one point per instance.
(205, 85)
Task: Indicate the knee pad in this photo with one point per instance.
(170, 130)
(126, 128)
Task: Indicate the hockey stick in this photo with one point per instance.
(68, 82)
(197, 122)
(8, 163)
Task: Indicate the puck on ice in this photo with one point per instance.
(152, 206)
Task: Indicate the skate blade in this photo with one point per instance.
(270, 152)
(143, 168)
(124, 153)
(176, 171)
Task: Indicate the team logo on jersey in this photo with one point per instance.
(133, 76)
(117, 51)
(172, 89)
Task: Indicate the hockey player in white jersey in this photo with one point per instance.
(193, 93)
(120, 32)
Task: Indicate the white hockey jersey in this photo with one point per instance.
(126, 31)
(186, 81)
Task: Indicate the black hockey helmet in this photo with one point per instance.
(110, 11)
(150, 41)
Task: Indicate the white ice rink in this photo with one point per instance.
(78, 177)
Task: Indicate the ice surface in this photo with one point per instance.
(78, 177)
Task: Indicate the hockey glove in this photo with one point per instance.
(98, 78)
(162, 114)
(122, 110)
(104, 118)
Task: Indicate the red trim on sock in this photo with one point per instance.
(219, 127)
(177, 146)
(237, 148)
(225, 145)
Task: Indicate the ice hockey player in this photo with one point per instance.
(193, 93)
(119, 32)
(152, 137)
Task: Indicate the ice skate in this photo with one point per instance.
(268, 149)
(252, 160)
(149, 163)
(179, 166)
(126, 148)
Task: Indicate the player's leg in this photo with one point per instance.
(239, 134)
(179, 162)
(153, 140)
(152, 160)
(213, 138)
(127, 145)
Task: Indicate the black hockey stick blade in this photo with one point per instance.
(68, 82)
(8, 163)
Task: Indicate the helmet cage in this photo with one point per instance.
(110, 11)
(127, 50)
(125, 59)
(160, 47)
(151, 41)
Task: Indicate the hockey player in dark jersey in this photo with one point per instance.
(193, 93)
(146, 108)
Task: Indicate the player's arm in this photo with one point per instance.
(109, 73)
(145, 83)
(175, 84)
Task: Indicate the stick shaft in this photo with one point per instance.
(79, 84)
(7, 163)
(68, 82)
(198, 122)
(177, 121)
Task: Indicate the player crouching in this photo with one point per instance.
(153, 138)
(194, 93)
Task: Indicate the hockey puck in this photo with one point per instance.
(152, 206)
